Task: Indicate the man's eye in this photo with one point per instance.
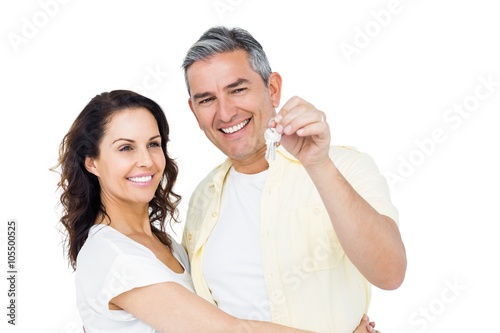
(206, 100)
(238, 90)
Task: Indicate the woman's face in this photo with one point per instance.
(131, 161)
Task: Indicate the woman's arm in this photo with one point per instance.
(169, 307)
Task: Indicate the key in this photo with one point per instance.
(272, 138)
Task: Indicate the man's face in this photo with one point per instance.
(232, 104)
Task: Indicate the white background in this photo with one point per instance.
(393, 92)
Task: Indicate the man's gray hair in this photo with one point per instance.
(221, 39)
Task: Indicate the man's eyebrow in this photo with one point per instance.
(236, 83)
(201, 95)
(229, 86)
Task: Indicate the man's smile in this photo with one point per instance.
(235, 128)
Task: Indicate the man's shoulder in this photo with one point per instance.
(349, 158)
(342, 149)
(209, 176)
(340, 152)
(210, 184)
(215, 175)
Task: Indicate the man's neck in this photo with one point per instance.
(251, 168)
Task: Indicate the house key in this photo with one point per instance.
(272, 138)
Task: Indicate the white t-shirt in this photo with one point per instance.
(109, 264)
(236, 278)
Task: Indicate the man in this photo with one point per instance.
(297, 240)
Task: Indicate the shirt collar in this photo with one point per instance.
(223, 169)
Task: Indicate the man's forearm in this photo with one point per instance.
(371, 241)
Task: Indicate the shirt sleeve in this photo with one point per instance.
(112, 265)
(361, 171)
(128, 272)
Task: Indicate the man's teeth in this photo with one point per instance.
(235, 128)
(141, 179)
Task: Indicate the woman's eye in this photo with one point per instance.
(125, 148)
(155, 144)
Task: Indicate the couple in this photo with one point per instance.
(268, 245)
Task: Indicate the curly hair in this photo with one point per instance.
(80, 197)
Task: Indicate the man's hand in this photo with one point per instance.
(365, 325)
(305, 133)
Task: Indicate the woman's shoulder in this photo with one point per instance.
(104, 244)
(103, 236)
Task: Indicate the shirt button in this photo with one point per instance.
(190, 236)
(214, 214)
(316, 211)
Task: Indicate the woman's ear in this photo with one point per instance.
(90, 166)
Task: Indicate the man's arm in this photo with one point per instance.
(371, 240)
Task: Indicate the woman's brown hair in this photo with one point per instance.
(80, 189)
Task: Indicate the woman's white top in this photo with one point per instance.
(109, 264)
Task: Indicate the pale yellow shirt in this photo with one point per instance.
(311, 283)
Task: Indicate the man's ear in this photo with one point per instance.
(274, 87)
(90, 166)
(190, 102)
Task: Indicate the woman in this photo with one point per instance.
(117, 184)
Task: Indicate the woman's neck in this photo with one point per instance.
(128, 220)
